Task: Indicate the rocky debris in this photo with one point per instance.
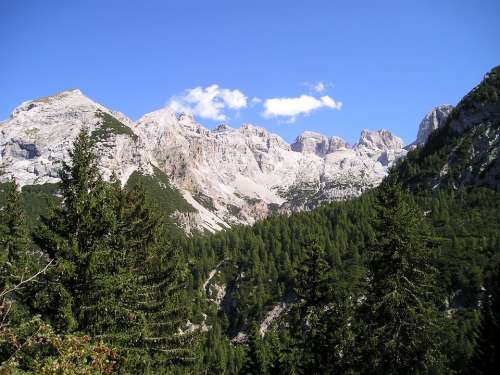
(272, 316)
(191, 327)
(240, 338)
(210, 288)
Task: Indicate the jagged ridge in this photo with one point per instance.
(227, 175)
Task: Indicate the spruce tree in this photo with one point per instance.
(76, 236)
(402, 329)
(116, 277)
(17, 267)
(18, 264)
(312, 281)
(322, 320)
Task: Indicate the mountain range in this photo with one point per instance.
(218, 177)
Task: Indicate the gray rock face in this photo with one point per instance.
(315, 143)
(432, 121)
(229, 175)
(380, 145)
(39, 133)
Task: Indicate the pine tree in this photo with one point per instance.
(402, 321)
(312, 290)
(18, 268)
(312, 276)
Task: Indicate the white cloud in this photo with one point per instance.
(317, 87)
(208, 102)
(302, 105)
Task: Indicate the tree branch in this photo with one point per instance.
(3, 293)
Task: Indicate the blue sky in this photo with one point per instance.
(383, 64)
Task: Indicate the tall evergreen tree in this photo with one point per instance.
(313, 275)
(402, 320)
(322, 323)
(16, 264)
(76, 236)
(13, 238)
(115, 277)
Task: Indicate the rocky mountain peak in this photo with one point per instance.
(186, 118)
(222, 128)
(39, 133)
(432, 121)
(316, 143)
(251, 129)
(381, 140)
(53, 103)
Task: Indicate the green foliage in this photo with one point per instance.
(110, 126)
(487, 92)
(13, 239)
(322, 320)
(115, 276)
(36, 349)
(36, 200)
(487, 352)
(261, 263)
(160, 192)
(17, 263)
(402, 322)
(463, 152)
(257, 359)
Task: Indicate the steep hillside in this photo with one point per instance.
(465, 150)
(249, 273)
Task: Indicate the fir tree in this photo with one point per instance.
(13, 239)
(116, 276)
(16, 264)
(76, 236)
(402, 321)
(258, 356)
(322, 320)
(312, 276)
